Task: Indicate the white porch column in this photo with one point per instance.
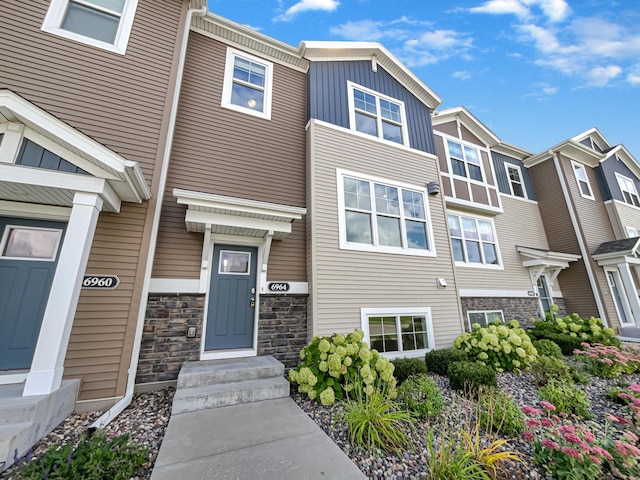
(630, 290)
(45, 375)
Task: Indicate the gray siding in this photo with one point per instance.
(609, 168)
(344, 281)
(502, 180)
(328, 97)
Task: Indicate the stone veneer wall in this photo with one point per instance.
(522, 309)
(282, 327)
(282, 332)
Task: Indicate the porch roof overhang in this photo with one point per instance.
(108, 171)
(236, 216)
(538, 261)
(618, 251)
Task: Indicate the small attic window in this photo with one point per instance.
(33, 155)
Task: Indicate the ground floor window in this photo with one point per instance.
(398, 332)
(484, 317)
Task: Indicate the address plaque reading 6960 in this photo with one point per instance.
(105, 282)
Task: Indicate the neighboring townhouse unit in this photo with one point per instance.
(87, 92)
(503, 265)
(588, 197)
(378, 252)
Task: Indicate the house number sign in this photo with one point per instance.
(278, 287)
(103, 282)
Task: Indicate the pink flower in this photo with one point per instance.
(572, 438)
(550, 444)
(630, 436)
(547, 405)
(528, 435)
(572, 452)
(595, 459)
(546, 422)
(635, 388)
(532, 423)
(530, 411)
(602, 452)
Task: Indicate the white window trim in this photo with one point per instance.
(352, 113)
(621, 179)
(365, 313)
(227, 87)
(625, 301)
(632, 232)
(485, 315)
(463, 144)
(524, 187)
(500, 265)
(578, 166)
(5, 239)
(55, 15)
(345, 245)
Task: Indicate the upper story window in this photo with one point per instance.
(583, 181)
(473, 241)
(628, 189)
(465, 161)
(101, 23)
(516, 184)
(247, 84)
(379, 216)
(632, 232)
(376, 114)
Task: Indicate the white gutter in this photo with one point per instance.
(123, 403)
(576, 228)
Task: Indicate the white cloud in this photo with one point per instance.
(601, 76)
(633, 77)
(502, 7)
(554, 10)
(306, 5)
(549, 90)
(461, 75)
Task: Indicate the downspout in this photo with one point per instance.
(125, 401)
(576, 228)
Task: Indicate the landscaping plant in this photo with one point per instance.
(331, 365)
(404, 368)
(498, 413)
(95, 457)
(546, 369)
(470, 376)
(501, 346)
(608, 361)
(566, 397)
(438, 361)
(420, 395)
(591, 330)
(548, 348)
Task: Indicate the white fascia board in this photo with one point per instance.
(468, 292)
(468, 120)
(511, 150)
(571, 149)
(547, 255)
(592, 131)
(625, 156)
(209, 218)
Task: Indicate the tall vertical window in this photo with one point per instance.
(583, 180)
(544, 293)
(516, 184)
(473, 240)
(465, 161)
(375, 114)
(247, 84)
(101, 23)
(628, 189)
(382, 217)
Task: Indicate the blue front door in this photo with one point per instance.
(28, 258)
(232, 298)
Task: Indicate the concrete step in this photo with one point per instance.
(214, 372)
(13, 437)
(224, 394)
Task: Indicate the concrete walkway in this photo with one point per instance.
(272, 439)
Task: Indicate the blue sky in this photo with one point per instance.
(535, 72)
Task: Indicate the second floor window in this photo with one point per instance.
(516, 184)
(628, 189)
(583, 180)
(473, 240)
(465, 161)
(376, 114)
(247, 84)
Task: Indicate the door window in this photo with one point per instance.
(235, 263)
(30, 243)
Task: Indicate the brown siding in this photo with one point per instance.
(224, 152)
(344, 281)
(122, 102)
(467, 136)
(450, 128)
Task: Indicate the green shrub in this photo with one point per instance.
(609, 361)
(333, 365)
(566, 343)
(448, 460)
(548, 348)
(501, 346)
(406, 367)
(94, 458)
(590, 330)
(567, 398)
(499, 413)
(613, 394)
(546, 369)
(437, 361)
(469, 376)
(376, 421)
(420, 395)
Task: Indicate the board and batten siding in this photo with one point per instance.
(500, 163)
(225, 152)
(344, 281)
(328, 97)
(123, 102)
(596, 228)
(520, 225)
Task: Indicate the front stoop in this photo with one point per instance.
(220, 383)
(25, 420)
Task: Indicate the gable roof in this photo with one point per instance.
(625, 246)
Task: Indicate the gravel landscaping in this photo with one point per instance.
(412, 464)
